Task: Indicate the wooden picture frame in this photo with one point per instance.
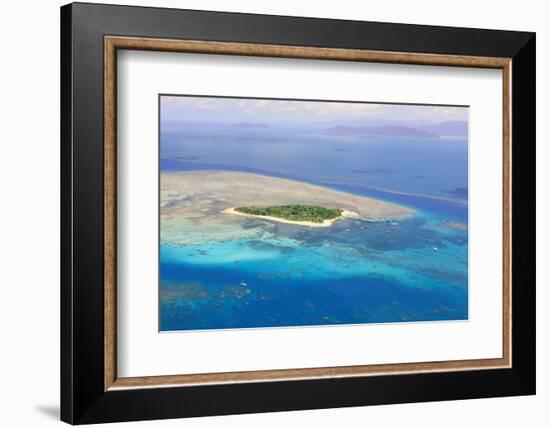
(91, 390)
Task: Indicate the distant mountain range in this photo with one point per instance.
(373, 127)
(393, 130)
(421, 130)
(451, 128)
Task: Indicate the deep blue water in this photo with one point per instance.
(353, 272)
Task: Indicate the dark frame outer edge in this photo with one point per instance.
(524, 213)
(66, 314)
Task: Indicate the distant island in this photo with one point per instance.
(304, 215)
(450, 128)
(386, 130)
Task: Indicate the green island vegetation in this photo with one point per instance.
(309, 213)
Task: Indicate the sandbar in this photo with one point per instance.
(194, 205)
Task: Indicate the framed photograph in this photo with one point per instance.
(265, 213)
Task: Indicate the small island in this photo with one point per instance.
(295, 212)
(305, 215)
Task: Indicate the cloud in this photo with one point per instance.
(296, 110)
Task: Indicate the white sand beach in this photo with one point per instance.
(324, 223)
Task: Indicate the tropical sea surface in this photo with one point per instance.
(354, 272)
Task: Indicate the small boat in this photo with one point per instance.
(244, 284)
(435, 248)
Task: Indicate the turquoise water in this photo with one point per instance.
(351, 273)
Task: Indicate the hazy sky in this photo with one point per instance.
(176, 108)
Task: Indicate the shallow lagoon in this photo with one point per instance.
(350, 273)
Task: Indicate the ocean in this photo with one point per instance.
(354, 272)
